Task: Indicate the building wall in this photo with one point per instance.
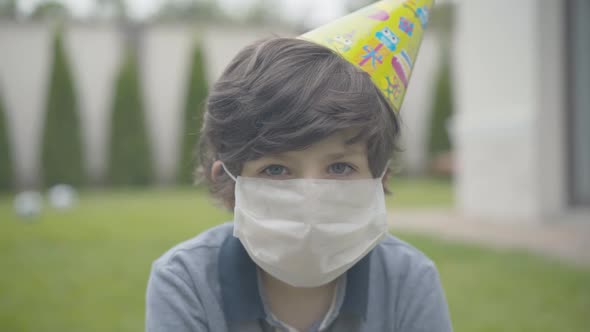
(25, 58)
(95, 52)
(165, 64)
(550, 123)
(95, 56)
(578, 124)
(417, 108)
(508, 64)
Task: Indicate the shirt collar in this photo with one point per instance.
(241, 296)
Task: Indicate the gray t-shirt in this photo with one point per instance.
(209, 283)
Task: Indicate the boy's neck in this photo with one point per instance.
(298, 307)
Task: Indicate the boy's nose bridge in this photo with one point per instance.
(311, 171)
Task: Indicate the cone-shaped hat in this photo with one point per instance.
(382, 39)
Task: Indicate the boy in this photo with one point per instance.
(297, 141)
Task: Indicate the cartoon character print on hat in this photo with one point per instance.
(411, 5)
(342, 42)
(420, 13)
(423, 15)
(379, 15)
(379, 11)
(392, 88)
(402, 64)
(385, 43)
(388, 38)
(372, 56)
(406, 25)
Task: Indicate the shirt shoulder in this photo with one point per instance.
(183, 292)
(401, 257)
(196, 255)
(401, 269)
(407, 289)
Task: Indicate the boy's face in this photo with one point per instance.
(330, 158)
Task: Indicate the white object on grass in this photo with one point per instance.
(62, 196)
(28, 204)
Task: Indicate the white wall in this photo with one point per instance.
(95, 54)
(507, 64)
(550, 136)
(417, 107)
(165, 64)
(25, 59)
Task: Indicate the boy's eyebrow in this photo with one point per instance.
(338, 155)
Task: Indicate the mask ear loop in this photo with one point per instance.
(385, 170)
(228, 172)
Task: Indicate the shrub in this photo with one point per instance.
(130, 162)
(6, 169)
(192, 119)
(62, 144)
(441, 112)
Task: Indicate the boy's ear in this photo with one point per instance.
(216, 170)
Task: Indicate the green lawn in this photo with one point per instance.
(86, 270)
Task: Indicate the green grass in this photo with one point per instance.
(420, 193)
(86, 270)
(505, 290)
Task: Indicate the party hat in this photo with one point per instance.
(382, 39)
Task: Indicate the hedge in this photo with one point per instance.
(441, 111)
(130, 162)
(62, 144)
(193, 116)
(6, 168)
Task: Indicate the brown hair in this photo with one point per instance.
(284, 94)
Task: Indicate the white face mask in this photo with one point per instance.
(307, 232)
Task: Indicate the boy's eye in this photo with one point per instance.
(340, 169)
(275, 170)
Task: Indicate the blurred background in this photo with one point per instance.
(101, 104)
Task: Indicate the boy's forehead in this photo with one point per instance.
(337, 143)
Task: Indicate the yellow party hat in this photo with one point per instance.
(382, 39)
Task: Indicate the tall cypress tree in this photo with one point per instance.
(130, 161)
(439, 141)
(193, 116)
(6, 169)
(62, 143)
